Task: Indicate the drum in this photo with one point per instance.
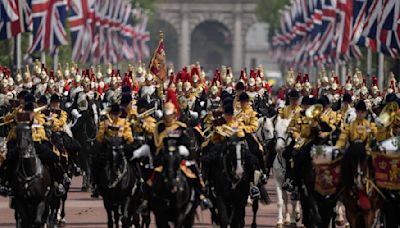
(326, 161)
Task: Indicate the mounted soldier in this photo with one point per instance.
(42, 146)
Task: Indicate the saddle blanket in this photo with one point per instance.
(387, 170)
(327, 177)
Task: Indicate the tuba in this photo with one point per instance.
(314, 111)
(388, 113)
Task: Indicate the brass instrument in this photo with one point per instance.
(314, 111)
(105, 111)
(7, 122)
(146, 113)
(388, 113)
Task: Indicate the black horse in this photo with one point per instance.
(57, 202)
(173, 198)
(32, 183)
(361, 206)
(230, 164)
(118, 184)
(85, 132)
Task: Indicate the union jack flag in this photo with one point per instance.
(49, 17)
(82, 26)
(15, 18)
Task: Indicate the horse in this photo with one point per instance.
(57, 202)
(362, 203)
(230, 168)
(265, 135)
(173, 198)
(118, 184)
(316, 168)
(283, 140)
(85, 132)
(32, 183)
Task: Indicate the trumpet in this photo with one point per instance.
(146, 113)
(7, 122)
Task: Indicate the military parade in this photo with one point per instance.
(165, 144)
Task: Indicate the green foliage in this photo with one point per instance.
(268, 11)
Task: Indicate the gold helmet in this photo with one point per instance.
(357, 78)
(298, 86)
(59, 73)
(66, 71)
(169, 109)
(290, 77)
(375, 87)
(324, 76)
(27, 75)
(18, 77)
(186, 86)
(109, 69)
(99, 75)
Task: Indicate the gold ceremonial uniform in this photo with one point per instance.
(11, 115)
(300, 126)
(361, 130)
(249, 119)
(117, 128)
(38, 132)
(146, 126)
(227, 130)
(289, 111)
(57, 121)
(331, 118)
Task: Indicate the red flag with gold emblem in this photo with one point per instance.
(157, 63)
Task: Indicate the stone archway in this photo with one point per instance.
(186, 15)
(170, 39)
(211, 44)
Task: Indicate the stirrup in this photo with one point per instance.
(254, 192)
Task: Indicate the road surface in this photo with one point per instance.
(85, 212)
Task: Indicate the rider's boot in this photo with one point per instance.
(254, 192)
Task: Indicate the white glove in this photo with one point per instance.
(158, 113)
(68, 105)
(183, 151)
(203, 113)
(194, 114)
(201, 103)
(142, 151)
(75, 114)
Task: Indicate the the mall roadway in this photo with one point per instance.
(85, 212)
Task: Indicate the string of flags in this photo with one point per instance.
(316, 32)
(99, 29)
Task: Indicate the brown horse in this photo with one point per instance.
(359, 195)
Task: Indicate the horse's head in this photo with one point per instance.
(24, 140)
(266, 129)
(171, 160)
(233, 158)
(116, 147)
(282, 134)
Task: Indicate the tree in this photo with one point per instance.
(268, 11)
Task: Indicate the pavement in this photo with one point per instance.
(85, 212)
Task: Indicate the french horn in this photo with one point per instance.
(388, 113)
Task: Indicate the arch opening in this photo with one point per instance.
(211, 45)
(170, 39)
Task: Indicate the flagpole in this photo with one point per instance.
(18, 50)
(381, 70)
(43, 57)
(55, 59)
(343, 74)
(369, 62)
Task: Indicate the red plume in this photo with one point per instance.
(171, 97)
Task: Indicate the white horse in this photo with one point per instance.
(279, 170)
